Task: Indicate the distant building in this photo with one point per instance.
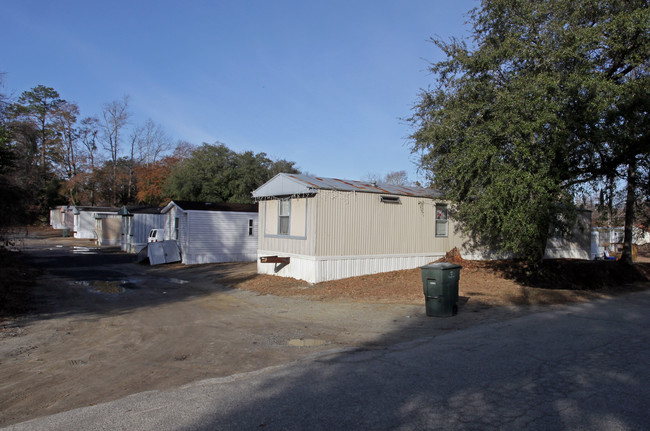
(137, 222)
(208, 232)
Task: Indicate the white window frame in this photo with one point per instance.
(442, 220)
(284, 229)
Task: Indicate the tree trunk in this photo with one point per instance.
(628, 240)
(43, 149)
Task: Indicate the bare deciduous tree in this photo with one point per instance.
(152, 143)
(65, 123)
(115, 117)
(397, 178)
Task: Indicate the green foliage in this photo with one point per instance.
(11, 207)
(524, 117)
(7, 156)
(215, 173)
(11, 195)
(29, 151)
(39, 107)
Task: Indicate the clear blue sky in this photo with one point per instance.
(320, 83)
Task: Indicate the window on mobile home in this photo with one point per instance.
(442, 224)
(284, 216)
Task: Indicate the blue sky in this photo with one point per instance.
(324, 84)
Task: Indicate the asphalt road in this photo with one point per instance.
(584, 367)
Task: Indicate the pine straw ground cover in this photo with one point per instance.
(491, 283)
(505, 282)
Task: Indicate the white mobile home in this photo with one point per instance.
(108, 228)
(209, 232)
(56, 216)
(137, 222)
(320, 229)
(577, 246)
(85, 225)
(61, 217)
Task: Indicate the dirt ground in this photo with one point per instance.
(81, 324)
(500, 283)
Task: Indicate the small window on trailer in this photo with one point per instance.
(250, 227)
(284, 214)
(389, 199)
(442, 224)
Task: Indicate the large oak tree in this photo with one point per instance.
(547, 96)
(218, 174)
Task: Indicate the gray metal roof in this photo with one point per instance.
(78, 208)
(299, 184)
(211, 206)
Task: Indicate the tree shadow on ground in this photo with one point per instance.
(505, 377)
(468, 379)
(572, 274)
(39, 284)
(577, 370)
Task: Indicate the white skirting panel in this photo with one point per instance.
(196, 259)
(316, 269)
(85, 234)
(567, 251)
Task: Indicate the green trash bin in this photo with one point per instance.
(440, 285)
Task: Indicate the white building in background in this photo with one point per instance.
(208, 232)
(85, 225)
(137, 222)
(610, 239)
(62, 217)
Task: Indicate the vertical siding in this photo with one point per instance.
(109, 229)
(577, 246)
(67, 219)
(170, 215)
(142, 225)
(216, 236)
(353, 224)
(136, 228)
(84, 225)
(298, 219)
(304, 213)
(350, 234)
(184, 230)
(125, 239)
(270, 216)
(55, 218)
(315, 270)
(169, 222)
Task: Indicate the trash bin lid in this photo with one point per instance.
(441, 265)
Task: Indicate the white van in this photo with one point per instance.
(156, 235)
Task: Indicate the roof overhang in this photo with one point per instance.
(284, 185)
(303, 185)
